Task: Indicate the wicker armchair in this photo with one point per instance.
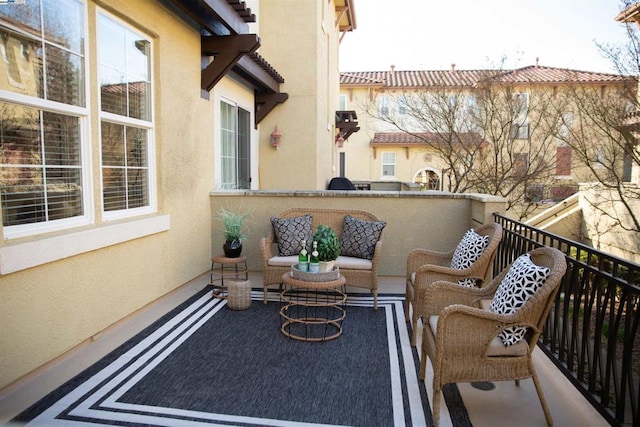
(425, 267)
(462, 341)
(358, 272)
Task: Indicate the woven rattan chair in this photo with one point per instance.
(462, 341)
(425, 267)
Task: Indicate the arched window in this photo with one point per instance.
(428, 179)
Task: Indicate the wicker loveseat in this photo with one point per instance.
(359, 272)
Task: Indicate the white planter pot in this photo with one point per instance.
(326, 266)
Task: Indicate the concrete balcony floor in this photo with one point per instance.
(505, 405)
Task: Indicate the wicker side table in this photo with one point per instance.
(239, 294)
(226, 268)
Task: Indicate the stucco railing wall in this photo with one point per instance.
(433, 220)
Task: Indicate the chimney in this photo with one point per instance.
(393, 69)
(453, 67)
(537, 61)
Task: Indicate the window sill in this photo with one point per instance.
(30, 254)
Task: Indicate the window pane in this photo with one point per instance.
(124, 70)
(25, 16)
(113, 193)
(113, 95)
(137, 185)
(139, 98)
(111, 40)
(64, 24)
(23, 59)
(63, 36)
(112, 144)
(136, 147)
(125, 168)
(65, 77)
(138, 52)
(64, 193)
(40, 178)
(61, 139)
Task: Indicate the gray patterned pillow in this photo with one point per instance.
(470, 248)
(359, 237)
(290, 232)
(522, 280)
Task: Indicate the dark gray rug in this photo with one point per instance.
(204, 364)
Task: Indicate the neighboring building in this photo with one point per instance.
(117, 119)
(379, 152)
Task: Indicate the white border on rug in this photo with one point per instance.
(129, 368)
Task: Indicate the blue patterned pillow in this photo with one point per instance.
(359, 237)
(522, 280)
(470, 248)
(290, 232)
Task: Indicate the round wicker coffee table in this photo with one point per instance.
(312, 311)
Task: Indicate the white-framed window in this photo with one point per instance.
(565, 126)
(44, 147)
(126, 119)
(520, 131)
(235, 157)
(343, 102)
(520, 108)
(388, 164)
(402, 105)
(383, 105)
(600, 156)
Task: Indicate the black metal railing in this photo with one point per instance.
(592, 332)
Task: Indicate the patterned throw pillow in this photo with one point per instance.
(467, 252)
(359, 237)
(522, 280)
(290, 232)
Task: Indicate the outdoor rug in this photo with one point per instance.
(205, 364)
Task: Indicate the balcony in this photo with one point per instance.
(572, 372)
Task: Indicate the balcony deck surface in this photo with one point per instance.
(505, 405)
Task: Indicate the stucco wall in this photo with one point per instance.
(423, 219)
(604, 232)
(300, 40)
(48, 309)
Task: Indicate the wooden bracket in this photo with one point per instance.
(227, 51)
(267, 102)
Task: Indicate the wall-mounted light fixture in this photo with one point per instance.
(340, 139)
(275, 138)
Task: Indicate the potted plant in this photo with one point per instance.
(328, 247)
(232, 224)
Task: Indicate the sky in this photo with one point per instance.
(476, 34)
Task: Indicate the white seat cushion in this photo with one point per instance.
(348, 262)
(283, 261)
(496, 348)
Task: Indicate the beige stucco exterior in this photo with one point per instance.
(60, 289)
(115, 268)
(364, 161)
(306, 158)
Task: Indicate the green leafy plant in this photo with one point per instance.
(232, 224)
(328, 243)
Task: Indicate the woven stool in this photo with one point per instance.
(239, 294)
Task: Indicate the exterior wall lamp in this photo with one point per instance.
(275, 138)
(340, 139)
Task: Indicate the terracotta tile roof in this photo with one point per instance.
(470, 78)
(421, 138)
(538, 74)
(397, 79)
